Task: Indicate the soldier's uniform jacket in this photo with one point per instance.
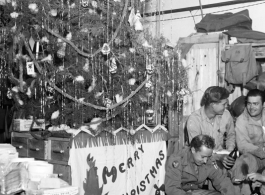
(198, 123)
(182, 177)
(250, 134)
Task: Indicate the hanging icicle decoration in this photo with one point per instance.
(84, 3)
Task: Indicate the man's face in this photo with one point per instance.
(219, 108)
(202, 155)
(254, 106)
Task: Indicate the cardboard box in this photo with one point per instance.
(24, 124)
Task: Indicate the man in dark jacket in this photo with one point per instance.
(187, 170)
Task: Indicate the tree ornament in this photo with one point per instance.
(118, 98)
(117, 41)
(131, 18)
(29, 93)
(149, 116)
(113, 66)
(20, 102)
(165, 53)
(150, 69)
(132, 50)
(94, 4)
(14, 15)
(93, 84)
(47, 59)
(79, 79)
(9, 94)
(30, 68)
(72, 6)
(69, 36)
(86, 66)
(33, 8)
(31, 43)
(84, 3)
(61, 68)
(44, 39)
(137, 23)
(53, 12)
(132, 131)
(169, 94)
(37, 49)
(132, 81)
(107, 102)
(131, 70)
(15, 89)
(105, 49)
(14, 4)
(81, 99)
(184, 63)
(149, 84)
(91, 11)
(146, 44)
(55, 115)
(61, 51)
(49, 89)
(95, 122)
(98, 94)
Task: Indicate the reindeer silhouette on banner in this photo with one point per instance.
(91, 185)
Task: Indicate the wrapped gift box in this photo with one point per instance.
(25, 124)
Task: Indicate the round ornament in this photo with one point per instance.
(132, 132)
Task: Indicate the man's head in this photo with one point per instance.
(216, 98)
(254, 102)
(202, 148)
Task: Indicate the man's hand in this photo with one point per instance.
(228, 161)
(256, 177)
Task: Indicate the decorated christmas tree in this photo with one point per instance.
(88, 63)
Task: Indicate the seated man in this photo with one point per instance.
(187, 170)
(250, 125)
(214, 120)
(250, 137)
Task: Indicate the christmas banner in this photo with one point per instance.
(100, 167)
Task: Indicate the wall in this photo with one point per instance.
(182, 24)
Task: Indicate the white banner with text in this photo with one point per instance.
(124, 169)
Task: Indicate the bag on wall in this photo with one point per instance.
(257, 83)
(240, 65)
(226, 21)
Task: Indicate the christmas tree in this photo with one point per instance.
(88, 63)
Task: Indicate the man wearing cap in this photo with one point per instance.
(187, 170)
